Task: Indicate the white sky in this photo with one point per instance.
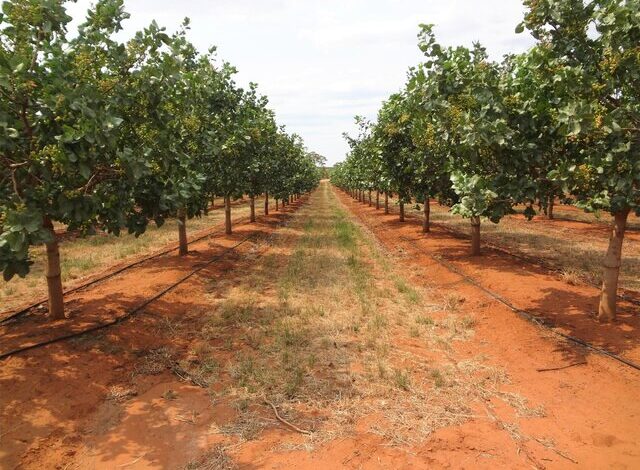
(322, 62)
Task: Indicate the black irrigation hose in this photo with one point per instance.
(528, 259)
(532, 318)
(523, 313)
(531, 260)
(135, 310)
(130, 312)
(28, 308)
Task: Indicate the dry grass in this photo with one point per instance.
(215, 459)
(317, 327)
(578, 256)
(120, 393)
(82, 257)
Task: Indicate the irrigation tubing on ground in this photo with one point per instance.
(28, 308)
(528, 259)
(532, 318)
(136, 309)
(532, 260)
(523, 313)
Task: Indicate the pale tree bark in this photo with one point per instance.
(386, 202)
(475, 235)
(252, 209)
(401, 210)
(550, 207)
(377, 200)
(426, 226)
(227, 215)
(611, 265)
(182, 233)
(52, 273)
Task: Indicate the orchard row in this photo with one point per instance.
(560, 120)
(100, 134)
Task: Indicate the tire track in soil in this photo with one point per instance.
(529, 287)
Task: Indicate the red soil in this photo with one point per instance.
(54, 413)
(592, 409)
(52, 399)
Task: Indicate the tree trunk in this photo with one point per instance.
(52, 273)
(266, 203)
(227, 214)
(427, 212)
(252, 208)
(475, 235)
(276, 204)
(550, 207)
(377, 200)
(401, 210)
(182, 233)
(386, 202)
(369, 198)
(213, 202)
(611, 265)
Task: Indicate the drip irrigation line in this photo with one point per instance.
(532, 318)
(532, 260)
(138, 308)
(24, 310)
(130, 313)
(525, 314)
(528, 259)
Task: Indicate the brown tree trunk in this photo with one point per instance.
(426, 227)
(213, 202)
(252, 209)
(377, 200)
(611, 265)
(370, 198)
(276, 204)
(266, 203)
(386, 202)
(401, 211)
(52, 273)
(475, 235)
(182, 233)
(227, 214)
(550, 207)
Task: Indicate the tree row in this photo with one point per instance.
(102, 134)
(561, 120)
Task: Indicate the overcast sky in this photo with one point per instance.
(322, 62)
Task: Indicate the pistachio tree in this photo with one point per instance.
(591, 48)
(59, 149)
(466, 91)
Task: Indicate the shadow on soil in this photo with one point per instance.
(57, 397)
(569, 308)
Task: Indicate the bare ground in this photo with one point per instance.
(342, 322)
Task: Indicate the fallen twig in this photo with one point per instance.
(133, 461)
(562, 367)
(284, 421)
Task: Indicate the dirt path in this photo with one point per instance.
(573, 248)
(569, 308)
(85, 258)
(338, 320)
